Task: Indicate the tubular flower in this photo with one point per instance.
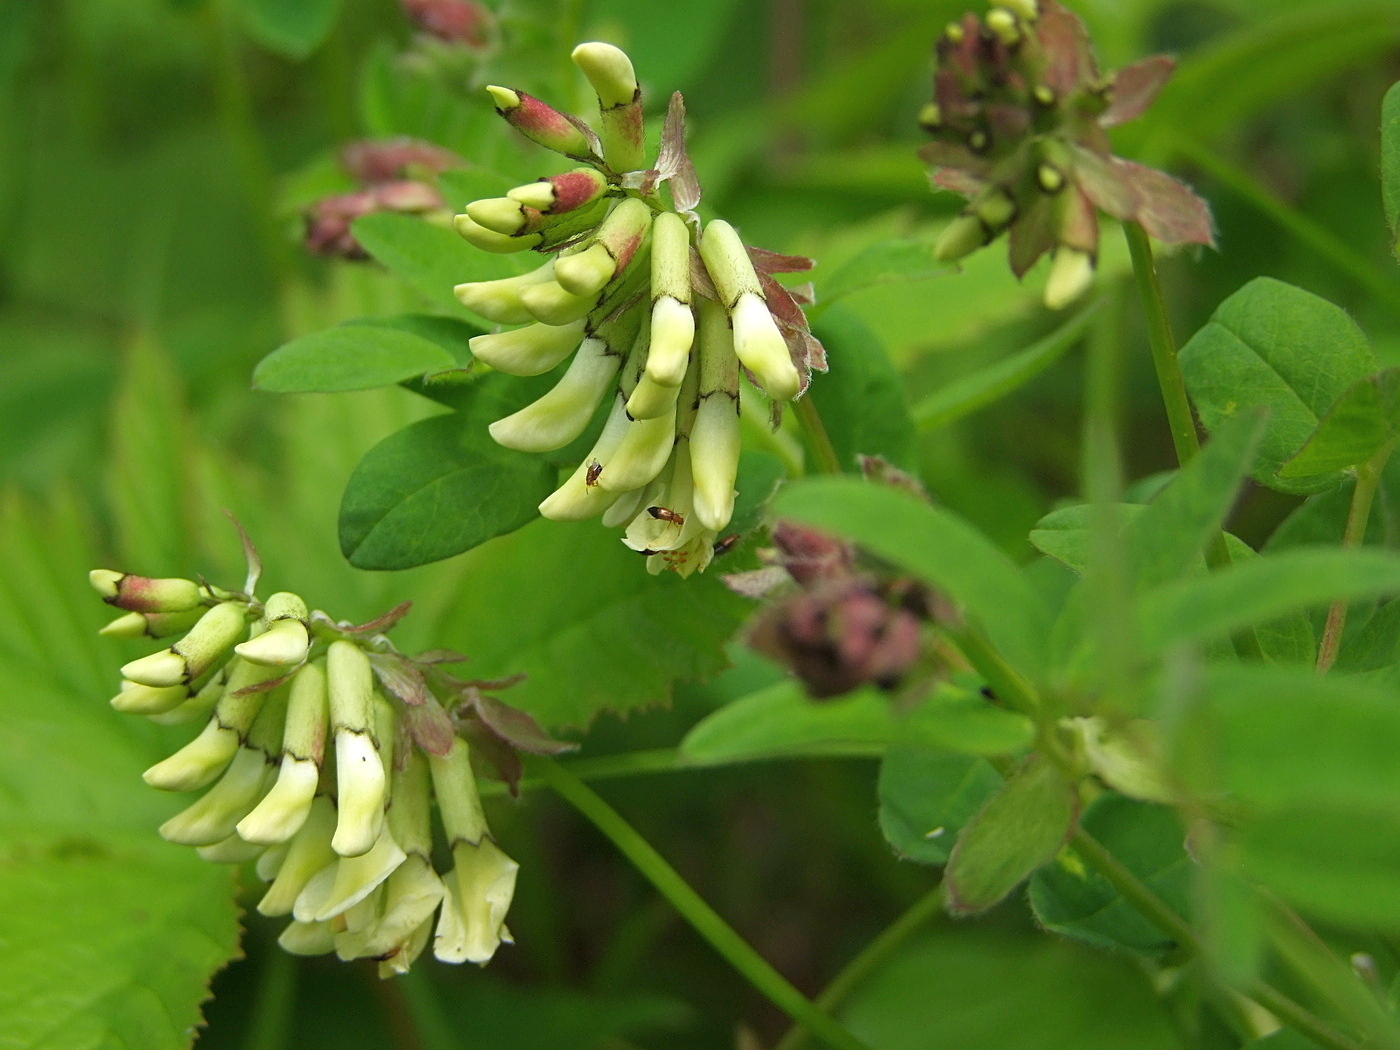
(316, 752)
(659, 315)
(1019, 118)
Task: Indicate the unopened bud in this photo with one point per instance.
(580, 497)
(551, 304)
(557, 194)
(137, 699)
(563, 413)
(542, 123)
(1025, 9)
(1071, 273)
(672, 334)
(587, 272)
(307, 938)
(187, 659)
(145, 594)
(610, 72)
(308, 853)
(489, 240)
(216, 815)
(284, 809)
(963, 236)
(359, 770)
(1004, 26)
(232, 850)
(714, 437)
(287, 638)
(930, 117)
(762, 349)
(499, 301)
(528, 351)
(498, 214)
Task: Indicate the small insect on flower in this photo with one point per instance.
(594, 469)
(666, 514)
(726, 544)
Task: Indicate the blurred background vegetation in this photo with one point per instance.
(155, 157)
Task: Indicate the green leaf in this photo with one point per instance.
(1375, 645)
(1072, 899)
(1273, 345)
(863, 407)
(431, 259)
(1390, 163)
(1338, 864)
(364, 354)
(927, 796)
(1168, 537)
(1022, 827)
(986, 985)
(571, 607)
(977, 391)
(935, 545)
(111, 935)
(443, 486)
(294, 29)
(1363, 419)
(884, 262)
(781, 721)
(1260, 590)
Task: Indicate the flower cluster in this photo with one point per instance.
(394, 175)
(322, 750)
(657, 326)
(1019, 120)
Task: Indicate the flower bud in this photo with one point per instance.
(641, 453)
(187, 659)
(145, 594)
(672, 334)
(307, 938)
(287, 638)
(1071, 273)
(499, 301)
(580, 497)
(610, 72)
(542, 124)
(499, 215)
(557, 194)
(528, 351)
(197, 706)
(963, 236)
(762, 349)
(359, 770)
(204, 758)
(1003, 25)
(284, 809)
(308, 852)
(232, 850)
(270, 860)
(563, 413)
(151, 625)
(650, 399)
(491, 241)
(137, 699)
(550, 304)
(714, 438)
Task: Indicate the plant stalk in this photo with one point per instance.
(692, 907)
(868, 960)
(1368, 479)
(818, 440)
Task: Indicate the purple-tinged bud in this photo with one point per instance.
(614, 246)
(453, 21)
(557, 194)
(146, 594)
(371, 161)
(543, 124)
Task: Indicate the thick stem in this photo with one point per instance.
(269, 1027)
(1159, 336)
(1368, 479)
(818, 440)
(871, 956)
(692, 907)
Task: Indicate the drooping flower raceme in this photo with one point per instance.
(657, 315)
(1019, 120)
(321, 752)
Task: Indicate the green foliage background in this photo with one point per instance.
(153, 155)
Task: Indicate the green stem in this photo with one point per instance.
(273, 1002)
(692, 907)
(1010, 687)
(818, 440)
(1368, 479)
(854, 974)
(1179, 417)
(1159, 338)
(1159, 913)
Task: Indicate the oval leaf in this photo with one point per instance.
(356, 356)
(927, 796)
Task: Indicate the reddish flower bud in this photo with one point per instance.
(453, 21)
(371, 161)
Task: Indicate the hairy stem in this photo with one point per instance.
(692, 907)
(1368, 479)
(818, 440)
(870, 957)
